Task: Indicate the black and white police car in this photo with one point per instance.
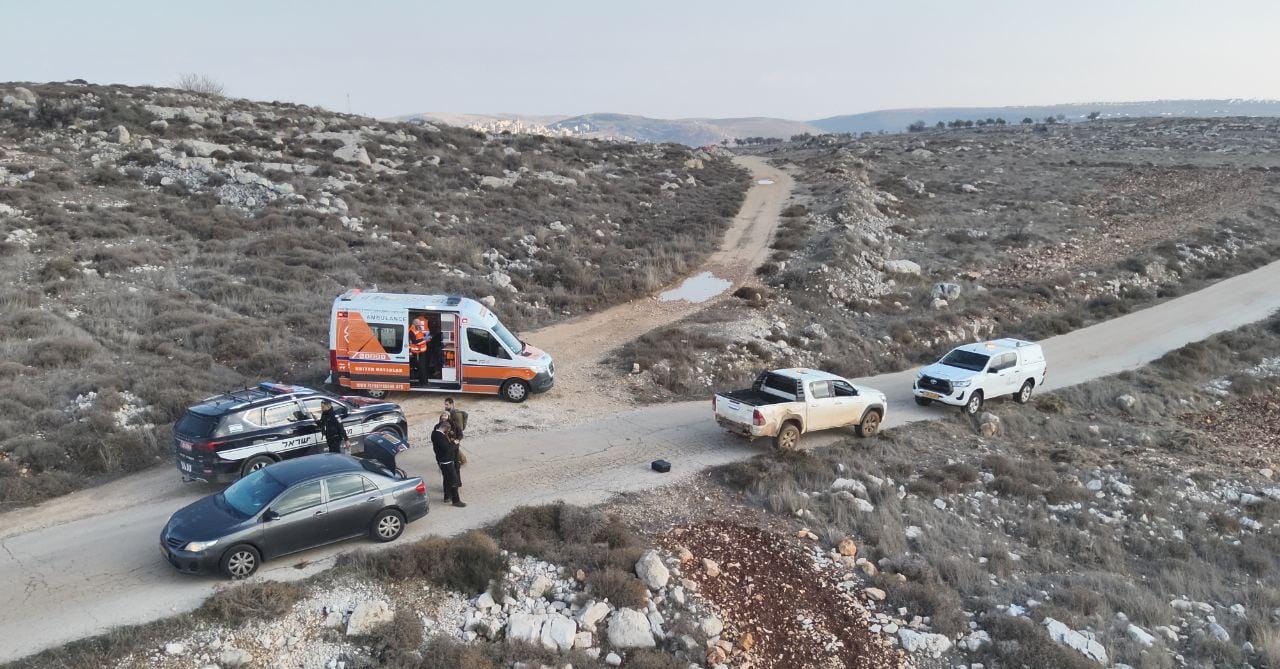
(230, 435)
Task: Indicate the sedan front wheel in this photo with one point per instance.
(240, 561)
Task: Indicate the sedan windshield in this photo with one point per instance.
(974, 362)
(253, 492)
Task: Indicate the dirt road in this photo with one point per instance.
(90, 561)
(579, 344)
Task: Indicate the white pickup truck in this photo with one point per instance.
(971, 374)
(786, 403)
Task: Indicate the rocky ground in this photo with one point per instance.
(158, 245)
(897, 247)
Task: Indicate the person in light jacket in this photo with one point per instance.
(446, 449)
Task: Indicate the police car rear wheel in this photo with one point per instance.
(255, 463)
(515, 390)
(387, 526)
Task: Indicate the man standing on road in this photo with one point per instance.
(331, 427)
(458, 419)
(442, 442)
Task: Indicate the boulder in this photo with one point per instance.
(489, 301)
(629, 628)
(203, 149)
(946, 291)
(368, 616)
(120, 135)
(711, 567)
(24, 94)
(525, 627)
(558, 633)
(233, 657)
(905, 267)
(1140, 636)
(969, 188)
(847, 547)
(652, 571)
(539, 587)
(241, 118)
(353, 153)
(592, 614)
(852, 485)
(1126, 402)
(174, 649)
(875, 593)
(933, 645)
(711, 626)
(863, 505)
(1070, 638)
(613, 660)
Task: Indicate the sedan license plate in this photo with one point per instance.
(185, 466)
(931, 395)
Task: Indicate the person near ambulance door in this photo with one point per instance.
(435, 353)
(331, 427)
(446, 449)
(419, 342)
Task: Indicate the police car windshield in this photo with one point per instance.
(974, 362)
(513, 342)
(250, 494)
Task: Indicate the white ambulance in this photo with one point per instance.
(470, 350)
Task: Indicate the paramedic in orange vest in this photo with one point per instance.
(419, 340)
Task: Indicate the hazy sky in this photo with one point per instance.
(786, 58)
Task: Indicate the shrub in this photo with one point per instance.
(468, 563)
(620, 588)
(251, 601)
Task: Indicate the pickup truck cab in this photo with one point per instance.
(786, 403)
(971, 374)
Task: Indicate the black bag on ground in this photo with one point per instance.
(661, 466)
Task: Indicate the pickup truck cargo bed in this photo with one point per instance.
(754, 398)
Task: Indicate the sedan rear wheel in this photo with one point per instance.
(388, 525)
(240, 561)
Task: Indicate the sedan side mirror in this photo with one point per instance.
(270, 515)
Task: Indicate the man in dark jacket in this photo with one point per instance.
(331, 427)
(446, 448)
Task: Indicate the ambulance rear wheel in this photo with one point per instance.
(515, 390)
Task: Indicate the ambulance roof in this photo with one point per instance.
(359, 300)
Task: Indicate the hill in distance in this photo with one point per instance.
(630, 127)
(701, 131)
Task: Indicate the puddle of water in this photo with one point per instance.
(765, 182)
(699, 288)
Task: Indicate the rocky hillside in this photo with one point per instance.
(156, 245)
(897, 247)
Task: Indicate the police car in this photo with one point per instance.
(230, 435)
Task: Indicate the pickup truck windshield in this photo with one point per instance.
(974, 362)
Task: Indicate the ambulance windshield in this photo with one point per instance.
(512, 342)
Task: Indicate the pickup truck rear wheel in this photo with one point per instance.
(870, 424)
(1024, 395)
(788, 438)
(924, 401)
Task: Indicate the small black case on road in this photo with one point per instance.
(661, 466)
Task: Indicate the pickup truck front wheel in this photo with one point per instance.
(788, 438)
(974, 405)
(870, 425)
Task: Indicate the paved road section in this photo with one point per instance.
(89, 561)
